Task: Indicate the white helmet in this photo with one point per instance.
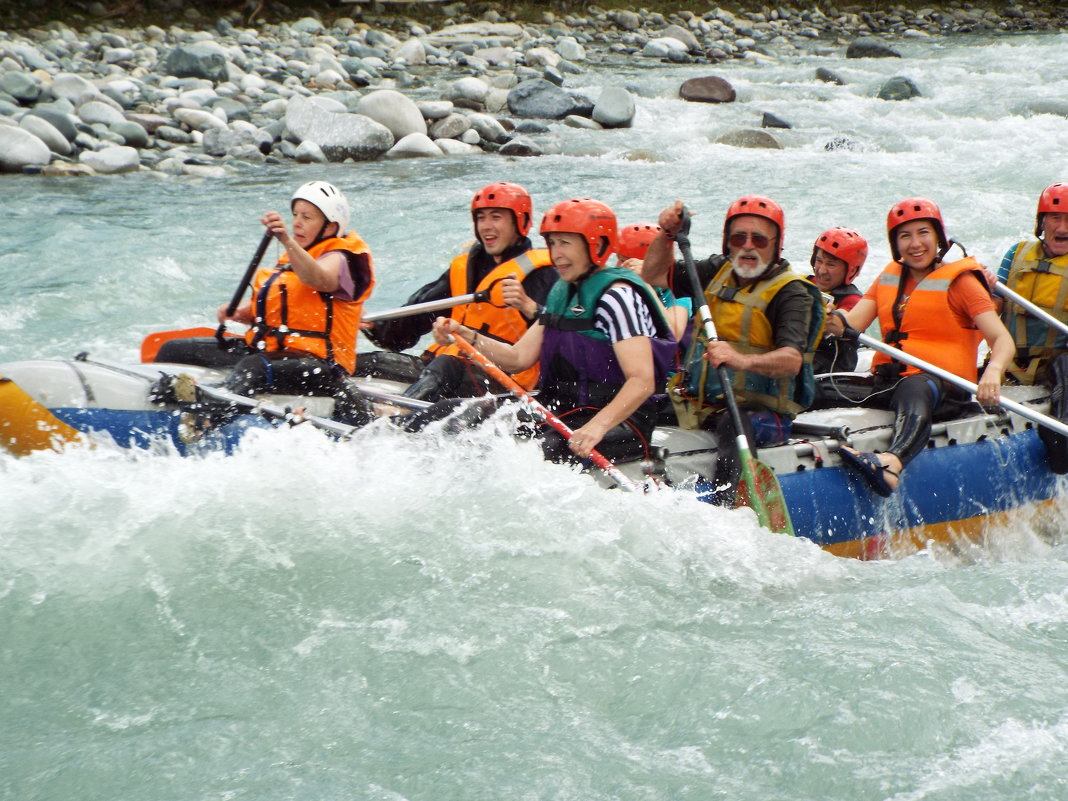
(328, 199)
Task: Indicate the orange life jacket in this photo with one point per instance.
(929, 329)
(505, 324)
(289, 315)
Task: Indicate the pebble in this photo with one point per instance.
(203, 97)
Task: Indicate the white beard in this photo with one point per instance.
(749, 273)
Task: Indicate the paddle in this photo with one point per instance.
(899, 355)
(153, 342)
(559, 425)
(1036, 311)
(429, 306)
(274, 410)
(246, 279)
(758, 487)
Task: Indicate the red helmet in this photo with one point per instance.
(590, 218)
(635, 239)
(915, 208)
(503, 195)
(1054, 198)
(845, 244)
(761, 207)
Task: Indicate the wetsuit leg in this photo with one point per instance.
(448, 377)
(1057, 444)
(201, 352)
(913, 402)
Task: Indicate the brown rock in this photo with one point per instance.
(709, 89)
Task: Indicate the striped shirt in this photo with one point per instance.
(622, 313)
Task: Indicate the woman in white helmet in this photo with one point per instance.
(304, 313)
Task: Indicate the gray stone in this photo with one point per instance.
(197, 119)
(749, 137)
(340, 135)
(707, 89)
(682, 35)
(21, 86)
(132, 134)
(628, 20)
(435, 109)
(521, 146)
(197, 60)
(531, 127)
(412, 51)
(487, 127)
(553, 76)
(454, 147)
(64, 123)
(308, 152)
(63, 169)
(74, 88)
(898, 88)
(467, 89)
(825, 75)
(842, 142)
(168, 133)
(663, 47)
(541, 57)
(540, 99)
(870, 47)
(234, 109)
(568, 47)
(98, 111)
(614, 108)
(585, 123)
(450, 127)
(150, 122)
(414, 145)
(397, 112)
(47, 133)
(770, 120)
(308, 25)
(111, 160)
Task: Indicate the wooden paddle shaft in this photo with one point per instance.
(559, 425)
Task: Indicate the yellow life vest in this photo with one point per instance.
(1044, 282)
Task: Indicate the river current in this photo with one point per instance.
(407, 618)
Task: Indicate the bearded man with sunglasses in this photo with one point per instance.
(768, 320)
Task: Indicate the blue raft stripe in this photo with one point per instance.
(947, 485)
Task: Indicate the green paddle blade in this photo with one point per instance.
(759, 490)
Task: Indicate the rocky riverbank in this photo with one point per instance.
(205, 96)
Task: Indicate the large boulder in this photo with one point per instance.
(899, 88)
(19, 148)
(870, 47)
(395, 111)
(707, 89)
(197, 60)
(47, 133)
(614, 108)
(540, 99)
(682, 35)
(341, 135)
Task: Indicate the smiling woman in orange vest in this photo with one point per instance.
(304, 313)
(936, 310)
(502, 261)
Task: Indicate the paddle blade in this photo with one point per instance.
(153, 342)
(759, 490)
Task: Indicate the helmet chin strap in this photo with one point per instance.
(319, 236)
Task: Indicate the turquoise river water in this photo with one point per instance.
(405, 619)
